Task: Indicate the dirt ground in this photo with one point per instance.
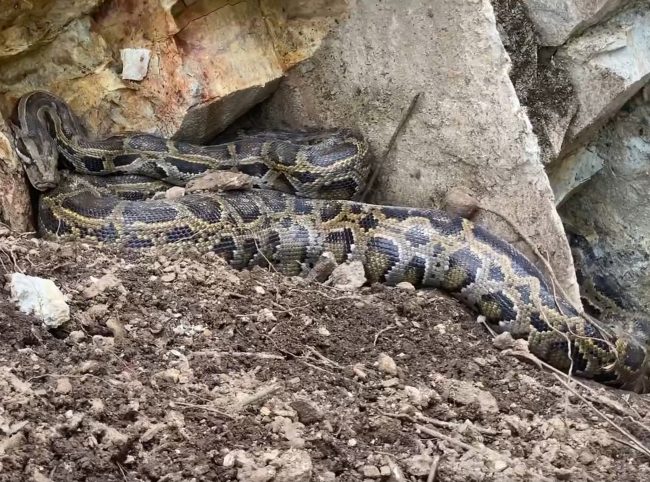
(185, 370)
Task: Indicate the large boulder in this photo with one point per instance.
(468, 129)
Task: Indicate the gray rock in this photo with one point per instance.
(467, 129)
(609, 218)
(607, 64)
(293, 466)
(557, 20)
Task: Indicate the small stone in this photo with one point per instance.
(266, 315)
(135, 63)
(384, 471)
(586, 457)
(499, 465)
(391, 382)
(63, 385)
(357, 369)
(168, 277)
(307, 412)
(323, 268)
(175, 192)
(323, 331)
(116, 328)
(503, 341)
(461, 202)
(348, 276)
(406, 286)
(97, 406)
(352, 442)
(99, 285)
(89, 366)
(76, 336)
(419, 465)
(386, 364)
(96, 312)
(259, 290)
(370, 471)
(103, 342)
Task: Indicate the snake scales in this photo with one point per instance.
(291, 229)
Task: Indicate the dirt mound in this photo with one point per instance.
(176, 369)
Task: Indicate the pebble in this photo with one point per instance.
(76, 336)
(266, 315)
(307, 412)
(175, 192)
(386, 364)
(503, 341)
(348, 276)
(419, 465)
(406, 286)
(371, 472)
(63, 385)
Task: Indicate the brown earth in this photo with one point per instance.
(183, 369)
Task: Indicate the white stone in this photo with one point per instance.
(135, 63)
(294, 466)
(40, 297)
(386, 364)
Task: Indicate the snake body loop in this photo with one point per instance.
(291, 229)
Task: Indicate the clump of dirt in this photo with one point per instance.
(179, 368)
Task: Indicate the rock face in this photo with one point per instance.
(468, 128)
(210, 60)
(557, 20)
(610, 216)
(607, 65)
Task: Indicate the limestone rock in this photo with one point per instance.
(557, 20)
(609, 218)
(209, 60)
(468, 128)
(607, 64)
(348, 276)
(40, 297)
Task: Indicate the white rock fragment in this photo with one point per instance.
(386, 364)
(135, 63)
(348, 276)
(40, 297)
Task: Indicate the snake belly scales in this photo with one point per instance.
(319, 174)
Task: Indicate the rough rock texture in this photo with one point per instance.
(557, 20)
(15, 203)
(542, 86)
(468, 128)
(607, 64)
(610, 215)
(211, 60)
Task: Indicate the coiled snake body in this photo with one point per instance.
(292, 229)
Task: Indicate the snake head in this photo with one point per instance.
(39, 155)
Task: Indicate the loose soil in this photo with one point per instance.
(181, 369)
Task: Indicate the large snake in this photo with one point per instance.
(291, 229)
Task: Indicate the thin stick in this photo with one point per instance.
(383, 330)
(205, 408)
(407, 115)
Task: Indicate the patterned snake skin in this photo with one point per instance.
(291, 230)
